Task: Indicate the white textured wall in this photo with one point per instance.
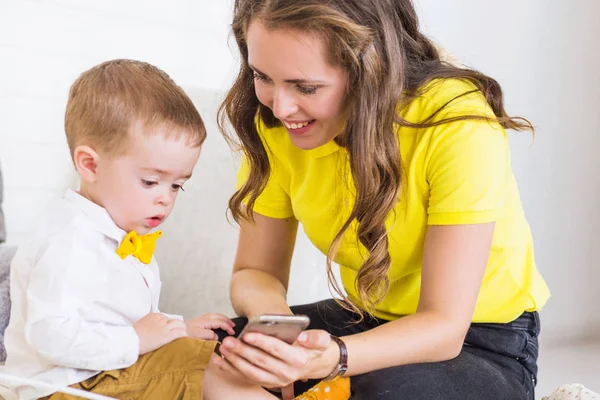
(545, 55)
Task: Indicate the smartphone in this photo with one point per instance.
(284, 327)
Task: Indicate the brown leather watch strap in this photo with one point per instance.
(342, 366)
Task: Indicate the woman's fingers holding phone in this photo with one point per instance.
(271, 362)
(292, 355)
(260, 365)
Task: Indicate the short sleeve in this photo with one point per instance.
(274, 201)
(468, 167)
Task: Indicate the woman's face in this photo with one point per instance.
(294, 79)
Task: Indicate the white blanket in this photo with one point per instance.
(574, 391)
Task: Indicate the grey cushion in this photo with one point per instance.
(6, 255)
(2, 226)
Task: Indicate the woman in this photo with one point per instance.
(398, 167)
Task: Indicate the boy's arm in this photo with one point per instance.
(54, 327)
(173, 316)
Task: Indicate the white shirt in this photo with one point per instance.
(74, 300)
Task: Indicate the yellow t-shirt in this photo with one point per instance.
(456, 173)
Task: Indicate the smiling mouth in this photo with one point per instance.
(296, 125)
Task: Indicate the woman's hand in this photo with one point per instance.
(272, 363)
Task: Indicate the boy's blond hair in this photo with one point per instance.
(106, 101)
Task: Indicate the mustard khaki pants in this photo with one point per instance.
(174, 371)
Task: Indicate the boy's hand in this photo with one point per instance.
(201, 327)
(156, 330)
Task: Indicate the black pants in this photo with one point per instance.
(498, 361)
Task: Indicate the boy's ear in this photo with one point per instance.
(86, 162)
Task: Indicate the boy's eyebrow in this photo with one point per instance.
(161, 172)
(296, 81)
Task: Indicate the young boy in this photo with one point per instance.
(85, 286)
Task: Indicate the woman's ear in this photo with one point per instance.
(86, 161)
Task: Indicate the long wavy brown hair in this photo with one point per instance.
(388, 59)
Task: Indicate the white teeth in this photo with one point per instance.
(294, 125)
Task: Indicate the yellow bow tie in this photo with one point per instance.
(141, 247)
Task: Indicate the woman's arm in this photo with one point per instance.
(262, 266)
(454, 263)
(453, 267)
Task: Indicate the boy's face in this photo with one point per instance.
(139, 189)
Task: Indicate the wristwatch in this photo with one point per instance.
(342, 366)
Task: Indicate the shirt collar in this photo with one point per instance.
(324, 150)
(96, 214)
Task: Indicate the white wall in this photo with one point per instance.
(545, 55)
(544, 52)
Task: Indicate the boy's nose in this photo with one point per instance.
(164, 199)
